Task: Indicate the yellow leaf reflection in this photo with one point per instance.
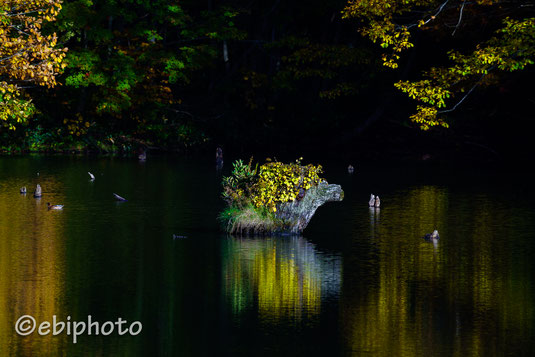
(287, 277)
(465, 296)
(31, 273)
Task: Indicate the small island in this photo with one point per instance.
(274, 198)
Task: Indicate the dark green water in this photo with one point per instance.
(359, 282)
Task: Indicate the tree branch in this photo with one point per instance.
(432, 17)
(460, 18)
(181, 112)
(466, 95)
(15, 54)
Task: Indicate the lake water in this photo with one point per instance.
(359, 282)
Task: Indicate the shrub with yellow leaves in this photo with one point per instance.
(279, 182)
(270, 184)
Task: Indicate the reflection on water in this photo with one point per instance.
(375, 215)
(285, 276)
(31, 265)
(462, 296)
(362, 282)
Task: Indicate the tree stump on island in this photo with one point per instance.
(296, 215)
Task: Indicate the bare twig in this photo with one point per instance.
(432, 17)
(181, 112)
(482, 146)
(460, 18)
(18, 14)
(467, 93)
(462, 99)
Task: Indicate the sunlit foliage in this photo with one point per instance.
(27, 56)
(391, 23)
(279, 183)
(270, 184)
(254, 194)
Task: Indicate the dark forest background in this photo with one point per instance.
(266, 76)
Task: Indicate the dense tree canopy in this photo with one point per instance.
(27, 56)
(128, 60)
(175, 74)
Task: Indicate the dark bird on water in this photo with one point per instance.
(119, 198)
(142, 156)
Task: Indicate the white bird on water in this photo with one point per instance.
(91, 175)
(119, 198)
(377, 202)
(432, 237)
(371, 203)
(38, 192)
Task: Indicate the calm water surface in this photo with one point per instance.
(359, 282)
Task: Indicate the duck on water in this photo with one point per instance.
(432, 237)
(37, 193)
(54, 206)
(375, 201)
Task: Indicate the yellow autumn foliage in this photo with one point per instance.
(391, 22)
(26, 55)
(279, 183)
(270, 184)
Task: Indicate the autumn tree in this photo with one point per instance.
(508, 47)
(128, 62)
(27, 56)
